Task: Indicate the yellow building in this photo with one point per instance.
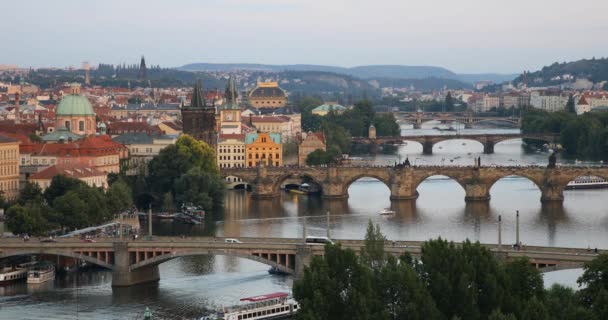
(263, 148)
(9, 167)
(268, 95)
(313, 141)
(231, 151)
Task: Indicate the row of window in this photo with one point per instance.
(8, 155)
(266, 312)
(9, 185)
(11, 170)
(231, 165)
(251, 164)
(257, 156)
(232, 158)
(239, 150)
(136, 150)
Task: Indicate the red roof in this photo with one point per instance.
(266, 297)
(226, 136)
(73, 170)
(582, 101)
(89, 146)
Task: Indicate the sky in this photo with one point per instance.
(465, 36)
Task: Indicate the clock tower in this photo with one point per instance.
(230, 113)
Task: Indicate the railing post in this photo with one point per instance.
(517, 227)
(499, 232)
(328, 227)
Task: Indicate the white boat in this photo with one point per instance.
(587, 182)
(11, 274)
(41, 274)
(276, 305)
(386, 212)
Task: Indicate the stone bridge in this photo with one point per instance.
(468, 118)
(428, 141)
(404, 181)
(135, 262)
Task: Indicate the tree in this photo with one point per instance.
(30, 192)
(594, 281)
(27, 219)
(497, 315)
(386, 125)
(201, 188)
(335, 287)
(570, 105)
(534, 310)
(60, 185)
(372, 252)
(70, 211)
(562, 304)
(168, 205)
(119, 197)
(448, 103)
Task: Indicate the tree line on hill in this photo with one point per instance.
(584, 136)
(447, 282)
(183, 173)
(339, 128)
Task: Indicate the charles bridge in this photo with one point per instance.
(135, 262)
(428, 141)
(403, 181)
(467, 118)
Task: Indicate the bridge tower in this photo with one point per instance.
(418, 121)
(468, 124)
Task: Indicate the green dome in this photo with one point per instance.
(75, 105)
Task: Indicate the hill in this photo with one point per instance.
(594, 70)
(364, 72)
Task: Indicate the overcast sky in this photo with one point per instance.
(466, 36)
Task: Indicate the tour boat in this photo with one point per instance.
(11, 274)
(41, 273)
(386, 212)
(587, 182)
(269, 306)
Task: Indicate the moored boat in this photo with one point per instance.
(276, 305)
(41, 273)
(11, 274)
(587, 182)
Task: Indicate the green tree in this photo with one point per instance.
(498, 315)
(26, 220)
(594, 281)
(372, 252)
(168, 204)
(570, 105)
(562, 304)
(386, 125)
(60, 185)
(535, 310)
(448, 103)
(30, 192)
(70, 211)
(201, 188)
(119, 197)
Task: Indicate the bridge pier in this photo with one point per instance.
(468, 125)
(304, 257)
(552, 194)
(476, 192)
(417, 125)
(122, 276)
(427, 147)
(488, 147)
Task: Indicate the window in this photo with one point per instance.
(81, 125)
(67, 125)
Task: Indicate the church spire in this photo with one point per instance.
(231, 94)
(197, 96)
(142, 69)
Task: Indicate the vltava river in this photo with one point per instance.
(189, 285)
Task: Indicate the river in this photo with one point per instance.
(189, 285)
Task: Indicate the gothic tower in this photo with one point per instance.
(199, 119)
(230, 113)
(142, 69)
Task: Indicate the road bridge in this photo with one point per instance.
(135, 262)
(403, 181)
(467, 118)
(428, 141)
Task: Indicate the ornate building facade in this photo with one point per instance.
(230, 112)
(268, 95)
(76, 114)
(199, 119)
(9, 167)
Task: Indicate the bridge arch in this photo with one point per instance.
(306, 177)
(514, 122)
(232, 253)
(352, 179)
(419, 180)
(62, 253)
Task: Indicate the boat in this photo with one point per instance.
(276, 305)
(296, 191)
(41, 273)
(11, 274)
(276, 271)
(163, 216)
(386, 212)
(587, 182)
(185, 218)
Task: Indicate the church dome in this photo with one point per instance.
(267, 90)
(75, 105)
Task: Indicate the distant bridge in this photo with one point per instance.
(404, 181)
(134, 262)
(467, 118)
(428, 141)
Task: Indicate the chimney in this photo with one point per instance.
(250, 120)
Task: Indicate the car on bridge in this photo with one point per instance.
(318, 240)
(232, 240)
